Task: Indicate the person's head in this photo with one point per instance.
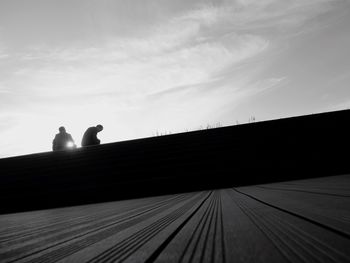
(62, 129)
(99, 127)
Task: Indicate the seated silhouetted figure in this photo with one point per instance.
(90, 136)
(63, 140)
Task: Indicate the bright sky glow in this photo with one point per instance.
(138, 67)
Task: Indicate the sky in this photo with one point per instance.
(162, 66)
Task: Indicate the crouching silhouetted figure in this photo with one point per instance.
(90, 136)
(63, 141)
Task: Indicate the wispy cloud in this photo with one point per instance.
(342, 105)
(142, 66)
(3, 53)
(205, 60)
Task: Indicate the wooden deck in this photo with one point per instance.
(294, 221)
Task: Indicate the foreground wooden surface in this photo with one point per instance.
(295, 221)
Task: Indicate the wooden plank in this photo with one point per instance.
(296, 221)
(327, 207)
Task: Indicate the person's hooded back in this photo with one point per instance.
(63, 140)
(90, 136)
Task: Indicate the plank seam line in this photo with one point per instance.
(159, 250)
(139, 238)
(222, 231)
(270, 235)
(198, 229)
(297, 215)
(122, 220)
(209, 226)
(291, 237)
(312, 241)
(292, 231)
(303, 191)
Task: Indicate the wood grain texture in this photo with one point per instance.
(295, 221)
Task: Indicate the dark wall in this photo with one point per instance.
(286, 149)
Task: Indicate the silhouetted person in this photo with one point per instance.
(90, 136)
(63, 140)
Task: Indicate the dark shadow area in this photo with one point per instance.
(262, 152)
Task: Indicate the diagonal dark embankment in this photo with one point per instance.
(262, 152)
